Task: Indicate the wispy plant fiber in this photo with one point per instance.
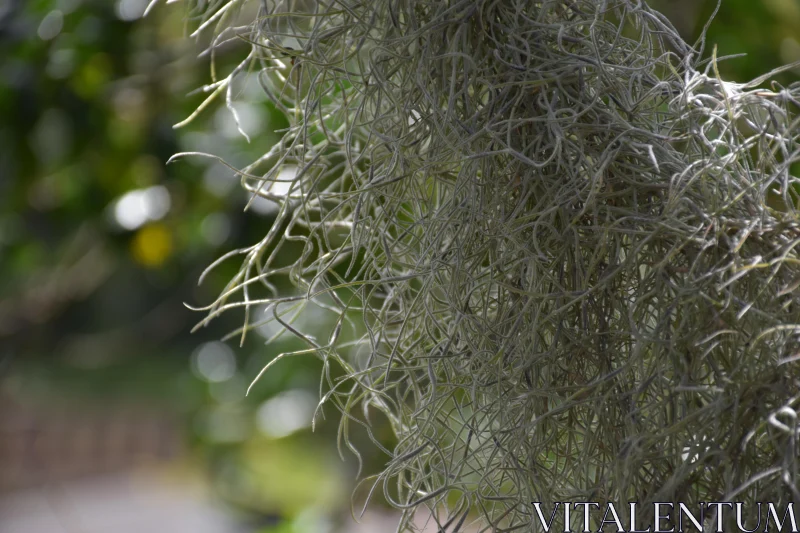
(573, 246)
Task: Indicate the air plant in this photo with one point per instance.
(570, 246)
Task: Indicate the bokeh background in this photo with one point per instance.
(114, 416)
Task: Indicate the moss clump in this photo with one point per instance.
(573, 246)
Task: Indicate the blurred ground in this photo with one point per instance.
(122, 503)
(147, 501)
(67, 470)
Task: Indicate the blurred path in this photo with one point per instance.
(113, 470)
(118, 503)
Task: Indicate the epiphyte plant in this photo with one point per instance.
(560, 251)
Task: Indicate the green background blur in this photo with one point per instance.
(101, 244)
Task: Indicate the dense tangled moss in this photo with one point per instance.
(572, 244)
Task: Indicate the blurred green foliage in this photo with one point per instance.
(768, 31)
(101, 242)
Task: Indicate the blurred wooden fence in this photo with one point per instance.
(39, 445)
